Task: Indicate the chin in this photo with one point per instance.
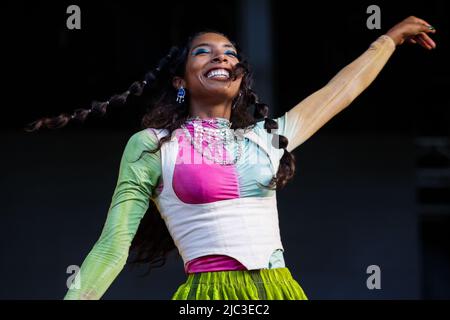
(227, 89)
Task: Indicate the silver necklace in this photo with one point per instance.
(218, 139)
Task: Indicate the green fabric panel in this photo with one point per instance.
(264, 284)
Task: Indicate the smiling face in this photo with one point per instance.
(207, 75)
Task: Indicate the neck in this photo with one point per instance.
(211, 110)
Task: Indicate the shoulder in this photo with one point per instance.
(144, 138)
(141, 141)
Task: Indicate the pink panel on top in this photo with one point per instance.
(198, 181)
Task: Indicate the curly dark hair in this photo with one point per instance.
(152, 242)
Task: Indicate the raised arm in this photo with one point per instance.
(137, 179)
(304, 119)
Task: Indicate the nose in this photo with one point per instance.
(220, 58)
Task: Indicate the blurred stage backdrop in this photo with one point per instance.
(372, 186)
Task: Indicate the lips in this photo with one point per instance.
(218, 74)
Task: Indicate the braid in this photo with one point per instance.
(100, 107)
(286, 168)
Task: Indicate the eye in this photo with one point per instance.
(231, 53)
(200, 51)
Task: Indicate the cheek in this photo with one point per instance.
(192, 75)
(191, 80)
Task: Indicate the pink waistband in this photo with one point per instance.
(213, 263)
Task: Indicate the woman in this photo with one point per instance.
(212, 169)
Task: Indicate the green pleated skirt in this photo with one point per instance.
(264, 284)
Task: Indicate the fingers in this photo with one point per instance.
(423, 22)
(421, 35)
(427, 39)
(422, 42)
(419, 25)
(426, 29)
(425, 26)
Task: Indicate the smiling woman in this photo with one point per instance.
(202, 174)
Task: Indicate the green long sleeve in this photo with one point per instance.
(138, 177)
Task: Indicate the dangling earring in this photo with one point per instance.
(181, 94)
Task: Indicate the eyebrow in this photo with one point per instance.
(209, 45)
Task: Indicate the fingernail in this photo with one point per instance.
(431, 28)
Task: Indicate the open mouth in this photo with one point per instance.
(218, 74)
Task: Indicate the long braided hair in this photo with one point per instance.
(152, 242)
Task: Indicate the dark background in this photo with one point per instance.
(372, 186)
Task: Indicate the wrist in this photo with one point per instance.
(397, 38)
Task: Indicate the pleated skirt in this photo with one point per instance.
(263, 284)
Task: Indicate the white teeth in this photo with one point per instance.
(218, 73)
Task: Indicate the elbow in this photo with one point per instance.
(112, 252)
(347, 98)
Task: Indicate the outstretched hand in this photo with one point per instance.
(413, 30)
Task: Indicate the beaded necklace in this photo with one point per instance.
(218, 139)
